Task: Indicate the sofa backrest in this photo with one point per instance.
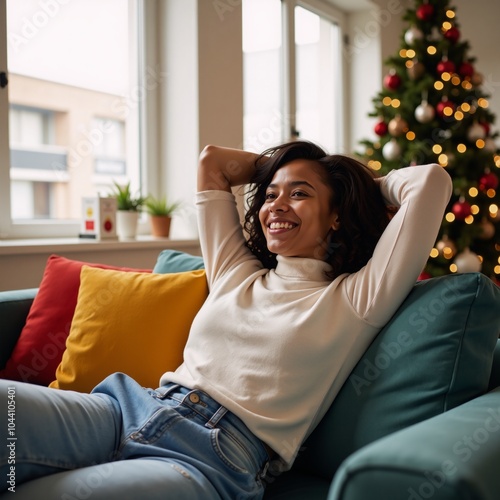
(434, 354)
(495, 369)
(14, 307)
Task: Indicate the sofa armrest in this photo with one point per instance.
(14, 308)
(452, 456)
(495, 368)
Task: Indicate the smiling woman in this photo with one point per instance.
(323, 248)
(271, 346)
(351, 213)
(297, 217)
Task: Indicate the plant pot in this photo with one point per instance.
(126, 224)
(160, 225)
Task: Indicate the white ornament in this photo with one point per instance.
(391, 150)
(476, 132)
(424, 112)
(467, 262)
(413, 34)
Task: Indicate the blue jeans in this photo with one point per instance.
(125, 442)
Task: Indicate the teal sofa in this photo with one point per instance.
(418, 418)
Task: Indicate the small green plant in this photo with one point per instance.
(125, 199)
(160, 206)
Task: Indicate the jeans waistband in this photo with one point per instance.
(216, 415)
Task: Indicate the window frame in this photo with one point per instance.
(148, 139)
(335, 16)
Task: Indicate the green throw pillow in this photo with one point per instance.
(434, 354)
(173, 261)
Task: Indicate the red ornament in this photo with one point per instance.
(486, 127)
(446, 66)
(453, 34)
(488, 181)
(461, 209)
(381, 128)
(466, 69)
(425, 12)
(441, 107)
(392, 81)
(424, 275)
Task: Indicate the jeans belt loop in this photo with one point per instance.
(166, 391)
(214, 420)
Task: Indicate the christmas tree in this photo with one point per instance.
(432, 110)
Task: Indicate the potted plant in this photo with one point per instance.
(129, 208)
(160, 211)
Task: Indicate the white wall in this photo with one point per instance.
(202, 99)
(479, 25)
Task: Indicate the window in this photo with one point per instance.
(74, 101)
(30, 127)
(263, 121)
(110, 152)
(318, 72)
(293, 73)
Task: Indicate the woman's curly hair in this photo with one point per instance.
(356, 197)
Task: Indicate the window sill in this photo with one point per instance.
(69, 245)
(22, 262)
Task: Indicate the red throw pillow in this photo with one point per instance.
(40, 347)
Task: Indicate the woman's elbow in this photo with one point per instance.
(438, 176)
(207, 154)
(210, 175)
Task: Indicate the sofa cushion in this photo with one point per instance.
(134, 323)
(434, 354)
(41, 344)
(173, 261)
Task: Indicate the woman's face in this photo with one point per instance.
(296, 217)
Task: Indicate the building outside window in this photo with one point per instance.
(74, 107)
(110, 151)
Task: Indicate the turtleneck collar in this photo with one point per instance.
(302, 268)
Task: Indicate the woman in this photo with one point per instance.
(291, 310)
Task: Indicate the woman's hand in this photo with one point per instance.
(222, 168)
(391, 209)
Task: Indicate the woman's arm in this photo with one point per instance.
(220, 231)
(421, 193)
(222, 168)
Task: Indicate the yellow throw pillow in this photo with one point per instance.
(135, 323)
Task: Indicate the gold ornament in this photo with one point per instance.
(487, 230)
(477, 79)
(416, 70)
(398, 126)
(490, 145)
(475, 132)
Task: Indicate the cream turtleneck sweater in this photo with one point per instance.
(275, 346)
